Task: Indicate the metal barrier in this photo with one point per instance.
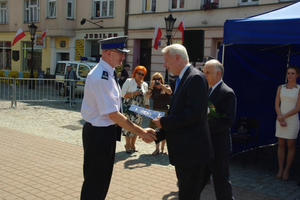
(42, 90)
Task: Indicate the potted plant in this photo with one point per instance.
(210, 6)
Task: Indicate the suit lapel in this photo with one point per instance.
(215, 92)
(186, 73)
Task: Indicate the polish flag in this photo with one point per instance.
(20, 34)
(181, 27)
(156, 37)
(44, 34)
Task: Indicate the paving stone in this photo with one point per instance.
(41, 158)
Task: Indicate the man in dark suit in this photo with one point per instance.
(186, 127)
(224, 101)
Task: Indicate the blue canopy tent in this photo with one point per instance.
(256, 51)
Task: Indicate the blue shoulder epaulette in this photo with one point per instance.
(105, 75)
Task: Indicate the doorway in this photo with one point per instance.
(145, 57)
(64, 56)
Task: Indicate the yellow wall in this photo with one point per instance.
(46, 56)
(17, 65)
(57, 41)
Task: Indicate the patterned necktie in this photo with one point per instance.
(177, 83)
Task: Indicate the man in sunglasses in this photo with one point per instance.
(101, 109)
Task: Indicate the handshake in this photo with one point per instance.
(148, 135)
(151, 135)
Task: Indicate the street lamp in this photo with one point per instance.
(95, 23)
(32, 30)
(169, 27)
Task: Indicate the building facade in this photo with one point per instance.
(207, 15)
(75, 26)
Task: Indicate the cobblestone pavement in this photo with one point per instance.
(59, 122)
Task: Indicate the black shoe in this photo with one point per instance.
(127, 151)
(67, 102)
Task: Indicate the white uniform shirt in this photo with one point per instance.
(101, 95)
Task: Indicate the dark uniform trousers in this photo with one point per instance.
(99, 145)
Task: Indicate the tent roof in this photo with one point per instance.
(281, 26)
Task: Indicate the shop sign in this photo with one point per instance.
(100, 35)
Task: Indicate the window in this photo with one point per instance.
(103, 8)
(210, 4)
(149, 5)
(5, 55)
(32, 11)
(218, 47)
(95, 49)
(62, 44)
(248, 2)
(83, 71)
(52, 9)
(3, 13)
(177, 4)
(37, 57)
(70, 11)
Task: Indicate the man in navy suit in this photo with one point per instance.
(224, 101)
(186, 127)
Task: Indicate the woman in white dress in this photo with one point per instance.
(287, 106)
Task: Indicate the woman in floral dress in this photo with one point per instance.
(134, 92)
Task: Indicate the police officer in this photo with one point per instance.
(101, 110)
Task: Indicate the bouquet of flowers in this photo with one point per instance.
(213, 113)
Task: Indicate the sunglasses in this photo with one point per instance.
(157, 79)
(140, 74)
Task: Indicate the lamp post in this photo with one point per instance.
(32, 30)
(169, 27)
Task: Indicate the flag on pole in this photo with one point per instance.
(156, 37)
(44, 34)
(181, 27)
(19, 35)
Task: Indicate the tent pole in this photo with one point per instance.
(288, 57)
(223, 54)
(288, 60)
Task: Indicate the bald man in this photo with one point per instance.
(224, 101)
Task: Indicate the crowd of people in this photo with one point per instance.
(185, 126)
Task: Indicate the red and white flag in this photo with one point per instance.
(44, 34)
(181, 27)
(156, 37)
(20, 34)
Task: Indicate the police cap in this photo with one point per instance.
(117, 43)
